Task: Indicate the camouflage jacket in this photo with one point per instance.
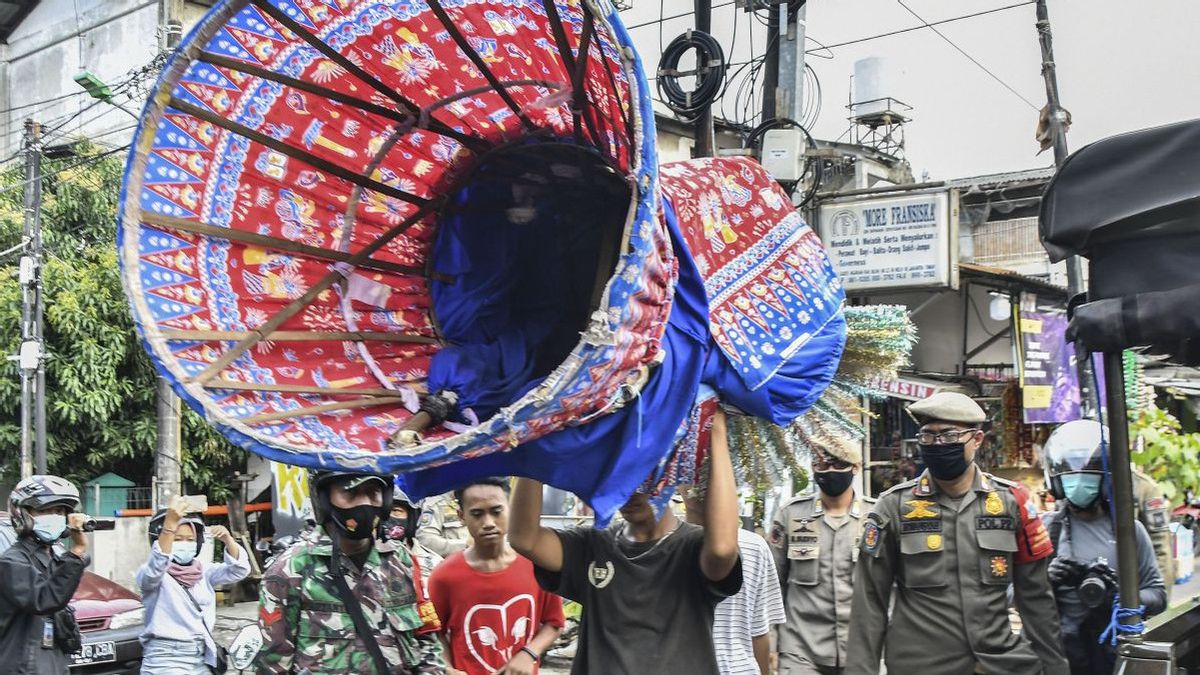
(306, 628)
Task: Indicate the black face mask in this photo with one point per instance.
(358, 522)
(396, 528)
(945, 461)
(833, 483)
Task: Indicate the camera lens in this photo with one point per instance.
(1092, 591)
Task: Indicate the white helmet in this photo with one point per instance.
(39, 492)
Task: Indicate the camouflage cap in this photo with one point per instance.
(846, 451)
(947, 406)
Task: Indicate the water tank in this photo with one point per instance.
(871, 82)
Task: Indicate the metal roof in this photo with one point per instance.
(993, 180)
(12, 13)
(1010, 277)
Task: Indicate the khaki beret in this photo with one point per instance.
(947, 406)
(847, 451)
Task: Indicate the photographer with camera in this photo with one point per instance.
(1083, 572)
(37, 627)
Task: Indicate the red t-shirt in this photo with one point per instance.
(488, 617)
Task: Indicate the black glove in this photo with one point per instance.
(1066, 572)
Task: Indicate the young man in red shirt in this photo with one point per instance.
(495, 617)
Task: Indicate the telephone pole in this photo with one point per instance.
(168, 453)
(706, 141)
(30, 360)
(1088, 396)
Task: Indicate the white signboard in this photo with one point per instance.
(893, 241)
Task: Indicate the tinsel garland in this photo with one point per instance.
(879, 340)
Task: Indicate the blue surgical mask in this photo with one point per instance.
(49, 527)
(1081, 489)
(183, 552)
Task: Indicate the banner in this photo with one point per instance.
(289, 487)
(1049, 386)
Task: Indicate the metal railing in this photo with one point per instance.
(99, 500)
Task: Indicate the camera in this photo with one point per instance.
(1096, 587)
(94, 524)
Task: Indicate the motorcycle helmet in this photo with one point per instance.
(1074, 447)
(39, 492)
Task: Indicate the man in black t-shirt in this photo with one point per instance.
(649, 587)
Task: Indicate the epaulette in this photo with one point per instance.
(1004, 482)
(898, 487)
(869, 500)
(802, 497)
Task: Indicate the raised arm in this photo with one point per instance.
(720, 552)
(525, 532)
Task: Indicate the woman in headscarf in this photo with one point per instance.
(177, 590)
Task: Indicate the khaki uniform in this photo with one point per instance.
(1152, 509)
(952, 561)
(815, 557)
(440, 529)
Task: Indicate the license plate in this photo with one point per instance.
(95, 652)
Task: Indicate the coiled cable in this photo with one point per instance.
(710, 73)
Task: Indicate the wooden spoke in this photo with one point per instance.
(295, 153)
(311, 294)
(275, 243)
(301, 389)
(317, 409)
(299, 336)
(471, 54)
(405, 118)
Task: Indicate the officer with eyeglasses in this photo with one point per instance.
(950, 543)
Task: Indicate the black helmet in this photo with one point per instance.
(318, 489)
(39, 492)
(1075, 447)
(160, 517)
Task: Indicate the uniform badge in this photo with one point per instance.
(994, 505)
(776, 533)
(934, 542)
(803, 525)
(920, 509)
(426, 518)
(870, 537)
(999, 566)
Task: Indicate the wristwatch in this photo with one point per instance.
(532, 654)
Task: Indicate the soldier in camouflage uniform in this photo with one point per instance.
(305, 624)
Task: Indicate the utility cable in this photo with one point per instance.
(930, 25)
(972, 59)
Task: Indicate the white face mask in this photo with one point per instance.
(183, 552)
(49, 527)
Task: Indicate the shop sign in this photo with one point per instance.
(896, 241)
(1049, 386)
(901, 388)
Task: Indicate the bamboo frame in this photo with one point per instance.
(299, 389)
(265, 241)
(294, 152)
(300, 303)
(300, 336)
(318, 409)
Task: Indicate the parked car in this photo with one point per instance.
(110, 618)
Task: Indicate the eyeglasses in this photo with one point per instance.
(944, 437)
(822, 462)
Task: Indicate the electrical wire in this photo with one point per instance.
(89, 160)
(970, 58)
(710, 73)
(930, 24)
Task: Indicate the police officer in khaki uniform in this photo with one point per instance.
(814, 540)
(952, 541)
(1150, 507)
(440, 529)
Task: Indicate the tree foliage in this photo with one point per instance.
(100, 404)
(1167, 455)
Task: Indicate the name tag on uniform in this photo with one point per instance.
(802, 539)
(909, 526)
(994, 523)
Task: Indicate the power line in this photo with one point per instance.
(925, 25)
(92, 159)
(972, 59)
